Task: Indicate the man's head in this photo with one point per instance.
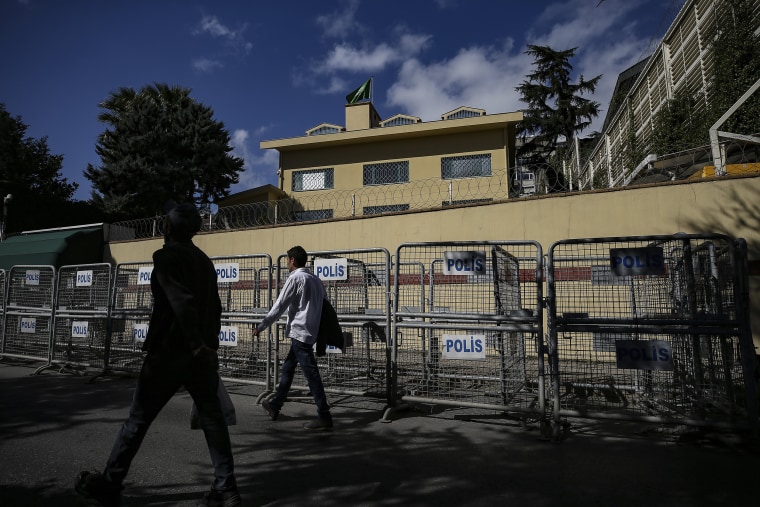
(297, 258)
(182, 221)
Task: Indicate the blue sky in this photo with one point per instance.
(274, 69)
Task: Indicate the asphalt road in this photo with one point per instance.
(54, 424)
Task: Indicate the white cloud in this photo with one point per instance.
(345, 57)
(342, 23)
(234, 42)
(258, 169)
(486, 77)
(206, 64)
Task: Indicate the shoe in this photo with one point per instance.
(270, 410)
(319, 425)
(94, 486)
(215, 498)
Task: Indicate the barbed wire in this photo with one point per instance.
(436, 193)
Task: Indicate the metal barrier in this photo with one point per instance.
(27, 329)
(131, 307)
(472, 341)
(651, 329)
(357, 284)
(245, 289)
(80, 331)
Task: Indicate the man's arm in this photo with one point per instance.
(279, 307)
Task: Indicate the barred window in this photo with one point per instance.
(465, 201)
(386, 173)
(313, 179)
(467, 166)
(387, 208)
(313, 214)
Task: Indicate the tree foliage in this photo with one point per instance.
(736, 65)
(42, 198)
(556, 111)
(684, 121)
(160, 145)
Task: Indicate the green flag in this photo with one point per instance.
(361, 93)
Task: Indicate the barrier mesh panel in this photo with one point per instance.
(648, 327)
(473, 341)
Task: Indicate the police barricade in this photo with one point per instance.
(466, 317)
(357, 283)
(131, 306)
(245, 288)
(80, 331)
(652, 329)
(27, 330)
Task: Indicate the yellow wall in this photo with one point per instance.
(728, 206)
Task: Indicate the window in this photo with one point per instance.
(387, 208)
(313, 214)
(386, 173)
(467, 166)
(465, 201)
(324, 130)
(315, 179)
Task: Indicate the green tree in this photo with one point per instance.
(160, 144)
(681, 124)
(42, 198)
(556, 110)
(736, 65)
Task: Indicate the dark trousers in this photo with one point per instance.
(303, 354)
(160, 378)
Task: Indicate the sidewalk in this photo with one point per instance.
(53, 425)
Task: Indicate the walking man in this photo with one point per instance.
(301, 297)
(181, 351)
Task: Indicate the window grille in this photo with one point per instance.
(313, 214)
(386, 173)
(467, 166)
(387, 208)
(465, 201)
(314, 179)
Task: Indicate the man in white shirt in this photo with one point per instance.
(301, 297)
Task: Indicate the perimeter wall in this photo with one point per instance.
(728, 205)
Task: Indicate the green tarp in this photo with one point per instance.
(53, 248)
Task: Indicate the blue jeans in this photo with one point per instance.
(160, 378)
(303, 354)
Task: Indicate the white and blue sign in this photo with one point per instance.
(143, 276)
(644, 355)
(331, 269)
(79, 329)
(84, 278)
(32, 277)
(637, 261)
(228, 336)
(464, 263)
(28, 325)
(464, 346)
(139, 333)
(227, 272)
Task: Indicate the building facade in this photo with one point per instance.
(374, 166)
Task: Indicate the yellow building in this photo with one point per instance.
(374, 166)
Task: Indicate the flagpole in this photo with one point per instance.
(371, 88)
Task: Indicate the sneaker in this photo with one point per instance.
(215, 498)
(270, 410)
(94, 486)
(319, 425)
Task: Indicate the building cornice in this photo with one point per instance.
(381, 134)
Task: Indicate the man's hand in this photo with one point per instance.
(255, 331)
